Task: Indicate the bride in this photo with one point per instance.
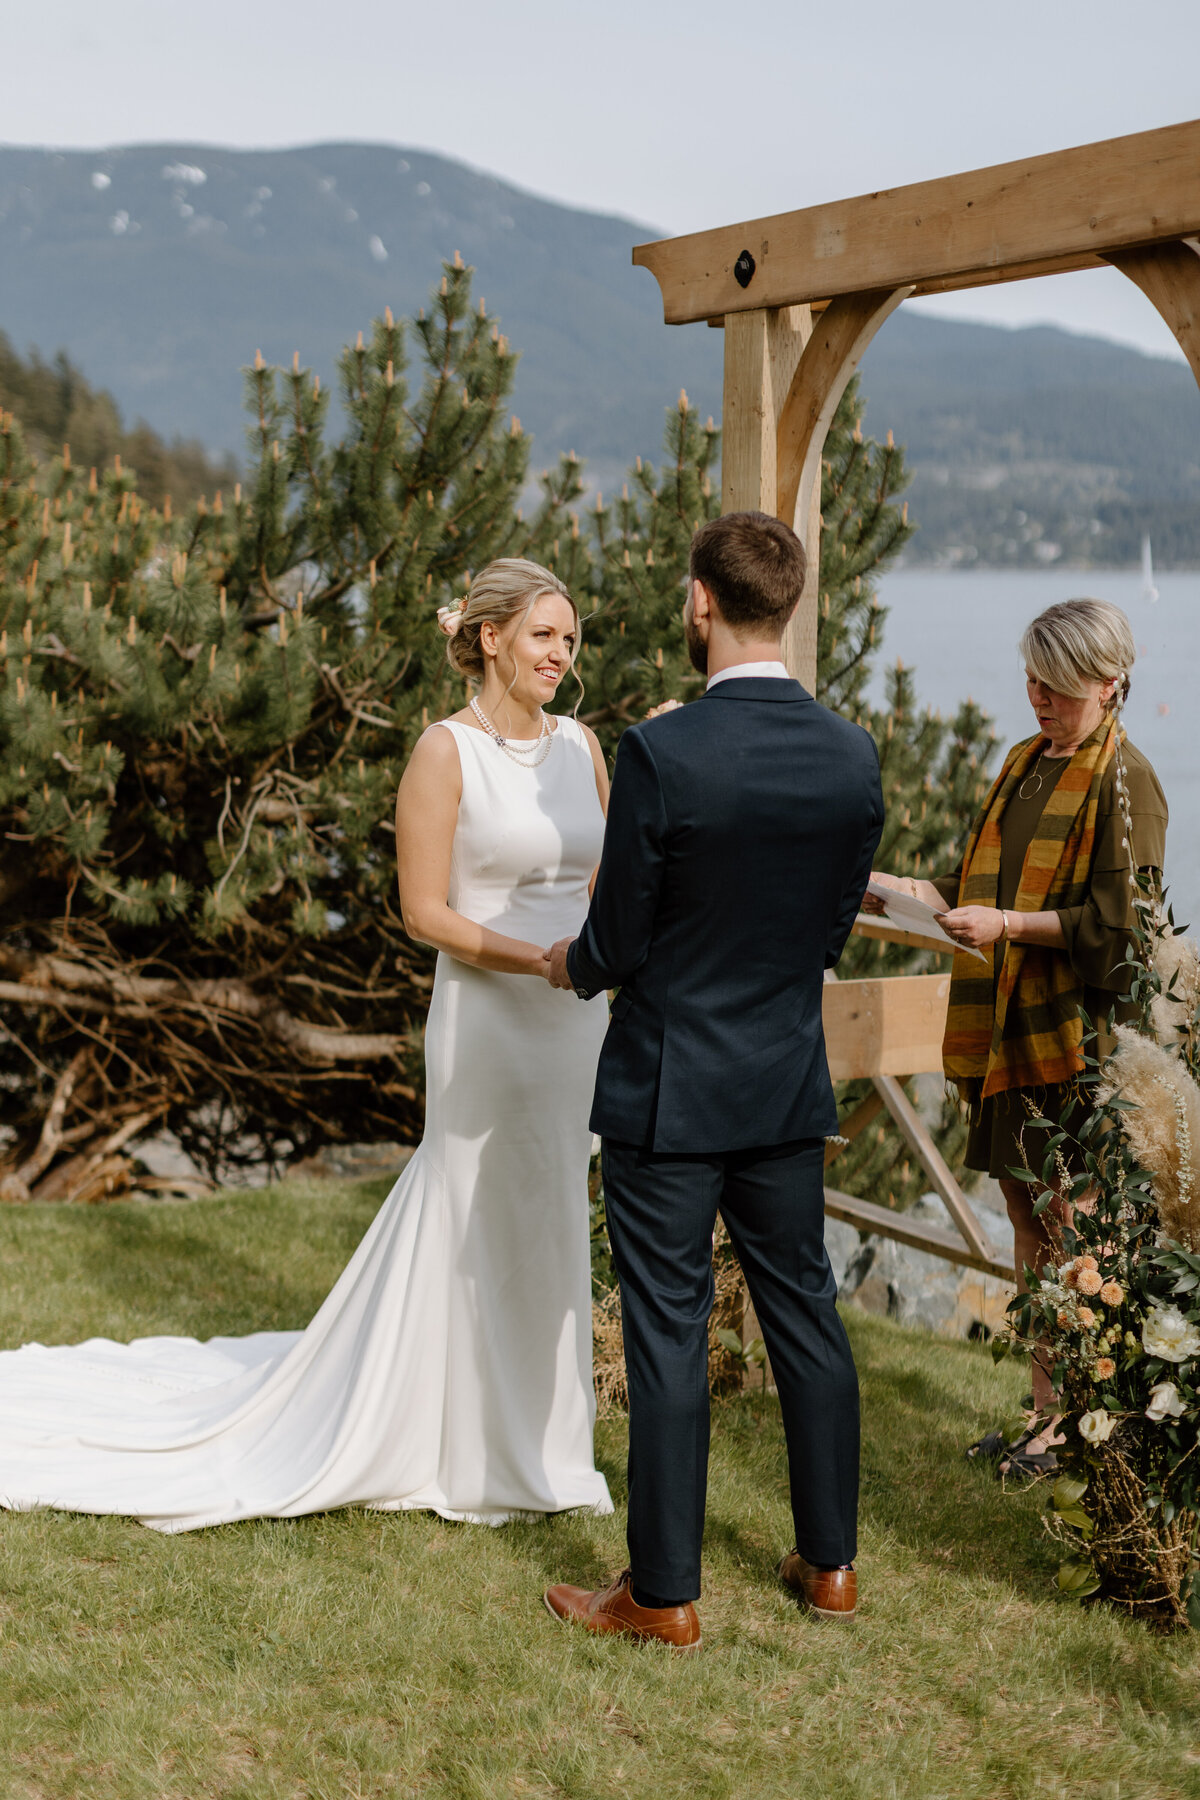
(450, 1367)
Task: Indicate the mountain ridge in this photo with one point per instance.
(162, 268)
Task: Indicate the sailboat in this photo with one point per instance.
(1149, 591)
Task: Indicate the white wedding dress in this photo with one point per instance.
(450, 1367)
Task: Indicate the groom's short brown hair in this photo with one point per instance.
(753, 567)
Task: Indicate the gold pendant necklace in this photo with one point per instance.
(1034, 775)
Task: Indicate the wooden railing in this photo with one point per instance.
(878, 1030)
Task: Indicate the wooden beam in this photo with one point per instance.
(1169, 276)
(833, 352)
(916, 1233)
(930, 1158)
(887, 1026)
(1031, 271)
(854, 1124)
(1056, 212)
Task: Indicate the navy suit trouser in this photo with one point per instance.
(661, 1210)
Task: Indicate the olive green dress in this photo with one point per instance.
(1096, 933)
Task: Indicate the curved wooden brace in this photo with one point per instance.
(833, 352)
(1169, 276)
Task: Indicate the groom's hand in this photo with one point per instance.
(556, 956)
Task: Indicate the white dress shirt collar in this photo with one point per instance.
(752, 671)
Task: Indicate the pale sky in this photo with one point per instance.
(679, 115)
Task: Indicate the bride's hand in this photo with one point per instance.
(664, 706)
(555, 969)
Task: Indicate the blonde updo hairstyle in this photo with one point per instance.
(1077, 642)
(504, 590)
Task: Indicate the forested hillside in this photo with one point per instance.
(57, 406)
(1035, 446)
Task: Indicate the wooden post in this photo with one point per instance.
(762, 352)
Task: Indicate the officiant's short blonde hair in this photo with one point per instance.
(1078, 642)
(504, 590)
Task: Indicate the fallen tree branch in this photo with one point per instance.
(19, 1184)
(101, 1162)
(77, 985)
(30, 994)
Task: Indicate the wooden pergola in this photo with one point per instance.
(800, 296)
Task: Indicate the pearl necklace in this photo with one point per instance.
(526, 756)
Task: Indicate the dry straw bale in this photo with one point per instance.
(608, 1355)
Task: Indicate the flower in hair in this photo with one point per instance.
(450, 617)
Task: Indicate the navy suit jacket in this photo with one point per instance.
(740, 837)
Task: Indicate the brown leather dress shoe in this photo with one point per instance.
(830, 1593)
(614, 1609)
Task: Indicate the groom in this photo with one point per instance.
(740, 837)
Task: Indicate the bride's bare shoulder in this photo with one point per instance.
(434, 759)
(435, 741)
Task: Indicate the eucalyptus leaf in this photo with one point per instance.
(1069, 1490)
(1077, 1579)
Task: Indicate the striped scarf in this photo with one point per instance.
(1024, 1030)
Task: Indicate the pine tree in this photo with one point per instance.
(204, 715)
(203, 720)
(630, 560)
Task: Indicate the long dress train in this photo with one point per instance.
(450, 1366)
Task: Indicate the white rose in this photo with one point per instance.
(1096, 1426)
(1165, 1403)
(1168, 1335)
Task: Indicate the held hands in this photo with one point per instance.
(974, 926)
(555, 970)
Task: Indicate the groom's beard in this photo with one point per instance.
(697, 649)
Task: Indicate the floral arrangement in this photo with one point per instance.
(1117, 1318)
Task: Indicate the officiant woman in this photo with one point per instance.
(1045, 889)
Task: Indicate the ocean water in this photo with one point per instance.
(959, 630)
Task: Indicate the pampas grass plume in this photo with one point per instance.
(1164, 1131)
(1175, 956)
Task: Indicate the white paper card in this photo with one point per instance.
(909, 914)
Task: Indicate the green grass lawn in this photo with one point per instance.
(358, 1654)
